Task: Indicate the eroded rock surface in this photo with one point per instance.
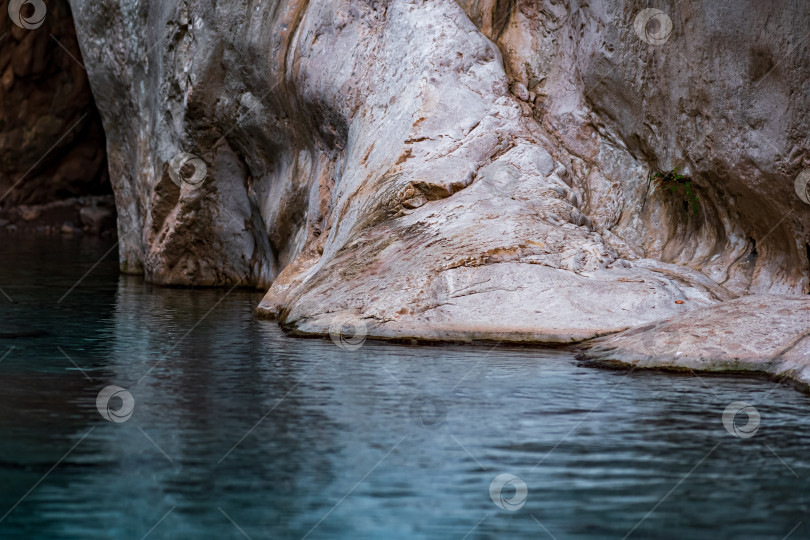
(722, 96)
(93, 215)
(386, 162)
(767, 334)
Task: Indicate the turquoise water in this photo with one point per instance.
(238, 431)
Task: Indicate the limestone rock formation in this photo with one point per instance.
(766, 334)
(457, 170)
(716, 89)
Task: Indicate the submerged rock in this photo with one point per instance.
(15, 331)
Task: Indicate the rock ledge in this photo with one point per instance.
(760, 333)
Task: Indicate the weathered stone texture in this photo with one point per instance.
(470, 170)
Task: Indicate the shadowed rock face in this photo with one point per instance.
(386, 162)
(51, 139)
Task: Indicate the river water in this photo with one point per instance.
(238, 431)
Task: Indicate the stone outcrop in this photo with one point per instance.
(716, 89)
(457, 170)
(764, 334)
(89, 214)
(52, 143)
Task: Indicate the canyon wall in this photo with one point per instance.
(717, 89)
(470, 170)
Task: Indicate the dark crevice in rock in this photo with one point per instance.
(53, 160)
(807, 247)
(503, 11)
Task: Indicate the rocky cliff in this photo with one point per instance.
(716, 89)
(460, 170)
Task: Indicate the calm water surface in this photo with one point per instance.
(241, 432)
